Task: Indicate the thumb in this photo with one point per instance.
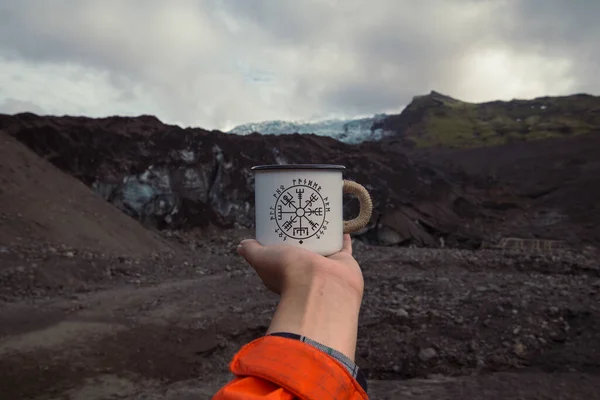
(252, 251)
(266, 261)
(264, 258)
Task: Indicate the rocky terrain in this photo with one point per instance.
(435, 324)
(558, 178)
(146, 298)
(168, 177)
(173, 178)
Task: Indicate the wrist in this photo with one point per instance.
(326, 310)
(313, 274)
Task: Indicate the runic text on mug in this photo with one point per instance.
(300, 211)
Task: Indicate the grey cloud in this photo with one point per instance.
(121, 36)
(363, 98)
(560, 28)
(284, 21)
(190, 59)
(556, 22)
(418, 43)
(15, 106)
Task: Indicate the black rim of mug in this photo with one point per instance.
(298, 166)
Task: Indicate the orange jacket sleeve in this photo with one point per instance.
(278, 368)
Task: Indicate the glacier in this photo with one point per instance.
(350, 131)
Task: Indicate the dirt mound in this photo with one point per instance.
(41, 204)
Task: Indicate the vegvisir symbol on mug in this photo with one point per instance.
(300, 210)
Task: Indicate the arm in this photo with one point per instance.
(325, 311)
(318, 315)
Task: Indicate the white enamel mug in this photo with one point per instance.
(302, 205)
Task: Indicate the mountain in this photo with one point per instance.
(442, 121)
(429, 183)
(344, 130)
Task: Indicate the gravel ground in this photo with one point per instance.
(435, 324)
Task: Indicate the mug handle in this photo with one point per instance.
(366, 206)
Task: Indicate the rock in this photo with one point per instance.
(69, 254)
(400, 287)
(494, 287)
(387, 236)
(401, 312)
(427, 354)
(519, 348)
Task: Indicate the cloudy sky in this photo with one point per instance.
(219, 63)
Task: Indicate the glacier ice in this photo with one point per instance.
(345, 130)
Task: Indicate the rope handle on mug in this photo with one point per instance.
(366, 206)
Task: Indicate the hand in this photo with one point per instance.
(284, 267)
(320, 296)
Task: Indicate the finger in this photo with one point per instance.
(347, 246)
(251, 250)
(240, 248)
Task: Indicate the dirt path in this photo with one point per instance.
(435, 325)
(124, 339)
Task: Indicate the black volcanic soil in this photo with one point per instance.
(93, 306)
(435, 324)
(93, 320)
(560, 177)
